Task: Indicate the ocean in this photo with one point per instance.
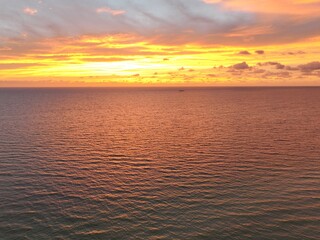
(159, 163)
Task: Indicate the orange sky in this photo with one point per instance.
(160, 42)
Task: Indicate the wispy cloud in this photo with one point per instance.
(167, 22)
(110, 11)
(296, 7)
(30, 11)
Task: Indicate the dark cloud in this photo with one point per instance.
(309, 67)
(260, 52)
(244, 53)
(240, 66)
(282, 74)
(276, 64)
(290, 68)
(295, 53)
(280, 66)
(210, 75)
(259, 71)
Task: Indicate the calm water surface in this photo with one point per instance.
(234, 163)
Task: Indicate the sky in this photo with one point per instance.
(53, 43)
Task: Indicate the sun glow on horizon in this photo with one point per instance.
(210, 44)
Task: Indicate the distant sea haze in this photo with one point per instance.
(160, 163)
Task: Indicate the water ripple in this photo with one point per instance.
(158, 164)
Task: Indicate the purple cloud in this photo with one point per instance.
(309, 67)
(240, 66)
